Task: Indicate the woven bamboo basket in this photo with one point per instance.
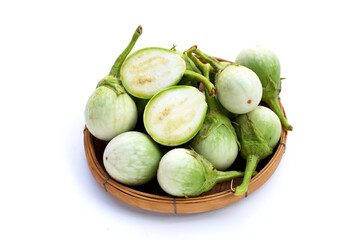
(151, 197)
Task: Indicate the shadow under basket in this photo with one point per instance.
(151, 197)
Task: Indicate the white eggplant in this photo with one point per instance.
(132, 158)
(258, 132)
(184, 173)
(108, 114)
(110, 110)
(238, 88)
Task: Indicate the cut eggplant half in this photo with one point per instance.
(150, 70)
(175, 115)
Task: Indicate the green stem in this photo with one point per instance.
(193, 76)
(212, 103)
(205, 68)
(251, 164)
(228, 175)
(274, 105)
(211, 100)
(190, 65)
(213, 62)
(223, 176)
(115, 70)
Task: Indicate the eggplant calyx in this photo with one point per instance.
(272, 88)
(209, 170)
(113, 83)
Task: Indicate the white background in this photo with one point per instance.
(53, 53)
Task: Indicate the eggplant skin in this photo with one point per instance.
(180, 174)
(217, 141)
(258, 132)
(240, 85)
(132, 158)
(108, 114)
(266, 65)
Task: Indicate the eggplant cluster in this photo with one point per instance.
(159, 123)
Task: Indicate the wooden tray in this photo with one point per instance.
(151, 197)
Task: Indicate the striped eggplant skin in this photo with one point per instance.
(185, 173)
(107, 114)
(238, 88)
(180, 174)
(266, 65)
(268, 123)
(132, 158)
(217, 141)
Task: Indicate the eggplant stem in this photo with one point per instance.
(211, 100)
(251, 164)
(200, 78)
(274, 105)
(115, 70)
(213, 62)
(205, 68)
(223, 176)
